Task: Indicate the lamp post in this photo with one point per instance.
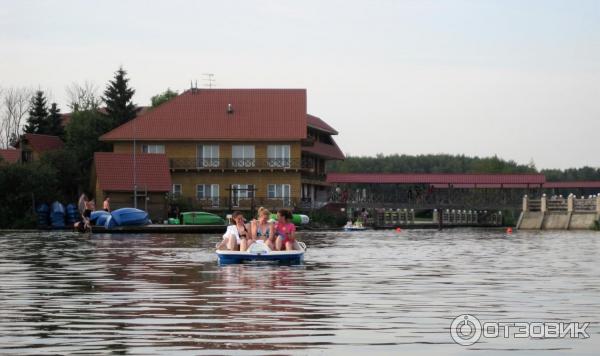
(134, 168)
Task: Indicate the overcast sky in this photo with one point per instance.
(520, 79)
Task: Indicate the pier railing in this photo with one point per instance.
(446, 217)
(560, 204)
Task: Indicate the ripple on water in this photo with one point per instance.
(379, 292)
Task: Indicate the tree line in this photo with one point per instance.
(61, 174)
(446, 163)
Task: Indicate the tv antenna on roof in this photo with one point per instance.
(193, 87)
(209, 79)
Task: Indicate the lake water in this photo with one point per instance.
(377, 293)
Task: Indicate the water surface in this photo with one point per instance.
(375, 292)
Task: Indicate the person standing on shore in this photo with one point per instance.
(106, 204)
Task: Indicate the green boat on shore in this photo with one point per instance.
(201, 218)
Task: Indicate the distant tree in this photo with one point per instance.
(65, 163)
(83, 97)
(54, 121)
(163, 97)
(118, 98)
(440, 163)
(81, 137)
(572, 174)
(38, 113)
(14, 106)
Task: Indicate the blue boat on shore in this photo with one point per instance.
(57, 215)
(260, 252)
(127, 217)
(99, 217)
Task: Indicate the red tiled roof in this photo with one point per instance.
(10, 155)
(472, 186)
(325, 150)
(42, 143)
(573, 184)
(435, 178)
(202, 114)
(115, 172)
(317, 123)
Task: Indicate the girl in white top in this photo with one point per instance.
(237, 236)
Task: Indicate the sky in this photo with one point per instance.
(517, 79)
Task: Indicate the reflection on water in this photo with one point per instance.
(364, 292)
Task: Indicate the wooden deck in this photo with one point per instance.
(162, 229)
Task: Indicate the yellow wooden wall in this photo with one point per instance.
(189, 180)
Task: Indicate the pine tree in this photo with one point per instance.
(36, 122)
(117, 97)
(54, 122)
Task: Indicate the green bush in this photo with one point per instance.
(21, 187)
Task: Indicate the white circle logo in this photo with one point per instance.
(465, 330)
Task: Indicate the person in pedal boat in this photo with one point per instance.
(285, 231)
(262, 229)
(237, 236)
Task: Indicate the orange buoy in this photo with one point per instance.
(509, 230)
(398, 229)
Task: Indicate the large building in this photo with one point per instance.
(230, 149)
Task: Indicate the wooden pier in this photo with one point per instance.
(162, 229)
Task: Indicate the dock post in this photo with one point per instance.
(543, 209)
(525, 203)
(544, 204)
(570, 209)
(435, 216)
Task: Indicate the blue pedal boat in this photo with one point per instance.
(260, 252)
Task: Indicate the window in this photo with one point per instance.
(243, 156)
(279, 191)
(153, 148)
(207, 156)
(208, 192)
(176, 190)
(278, 156)
(241, 191)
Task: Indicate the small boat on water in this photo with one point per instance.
(354, 228)
(259, 252)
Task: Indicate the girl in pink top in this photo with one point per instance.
(285, 231)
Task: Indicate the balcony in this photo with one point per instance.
(235, 164)
(239, 203)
